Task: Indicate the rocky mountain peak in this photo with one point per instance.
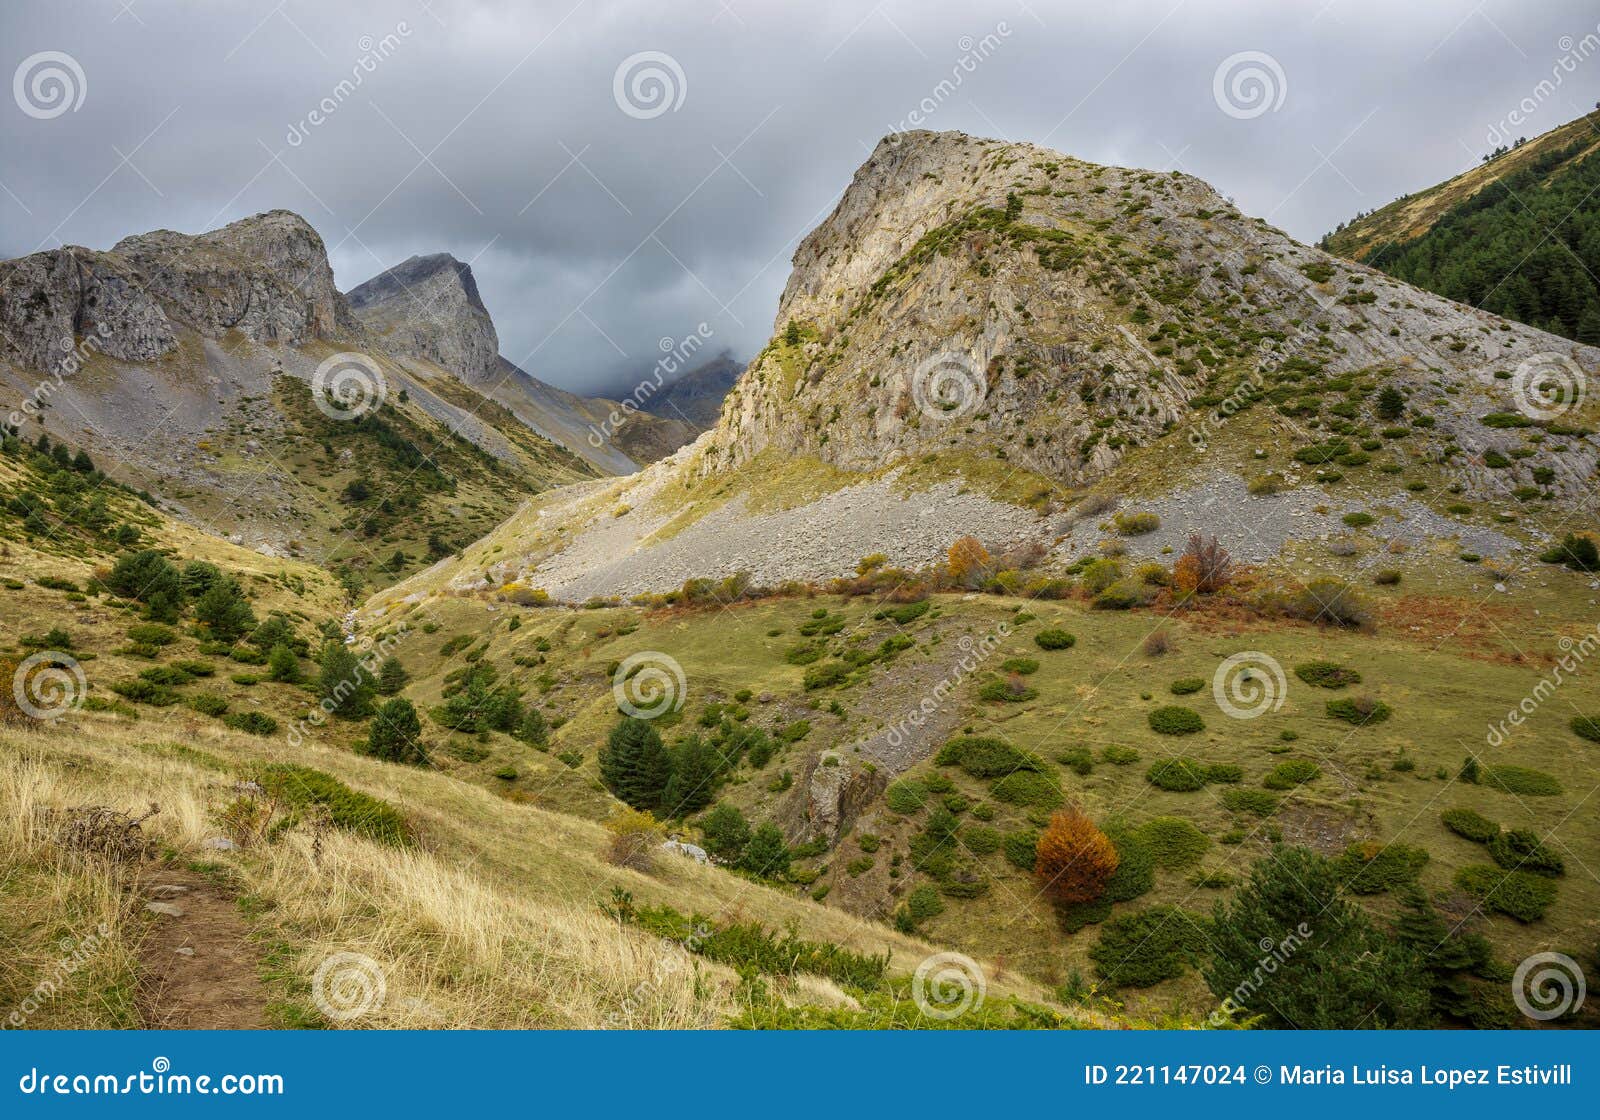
(982, 300)
(266, 277)
(428, 307)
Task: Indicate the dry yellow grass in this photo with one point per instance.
(491, 920)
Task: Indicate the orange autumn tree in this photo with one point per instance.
(1074, 860)
(1205, 566)
(969, 562)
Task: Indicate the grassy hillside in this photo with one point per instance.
(1518, 235)
(948, 851)
(275, 846)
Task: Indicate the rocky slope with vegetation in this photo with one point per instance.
(197, 368)
(1040, 330)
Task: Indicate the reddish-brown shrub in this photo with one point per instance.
(1157, 643)
(1205, 566)
(1075, 859)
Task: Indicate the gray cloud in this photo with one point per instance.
(489, 129)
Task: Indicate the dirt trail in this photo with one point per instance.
(200, 971)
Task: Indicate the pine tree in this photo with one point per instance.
(634, 764)
(344, 686)
(225, 611)
(726, 832)
(283, 665)
(1589, 325)
(392, 677)
(694, 778)
(534, 731)
(1334, 968)
(766, 855)
(1391, 403)
(396, 734)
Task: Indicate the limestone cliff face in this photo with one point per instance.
(429, 307)
(266, 277)
(997, 300)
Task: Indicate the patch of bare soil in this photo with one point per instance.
(200, 971)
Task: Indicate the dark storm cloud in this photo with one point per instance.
(491, 131)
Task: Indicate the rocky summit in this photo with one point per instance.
(429, 307)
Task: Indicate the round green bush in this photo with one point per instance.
(1327, 674)
(1520, 849)
(1006, 690)
(1123, 595)
(1256, 801)
(1022, 850)
(1176, 775)
(1586, 727)
(1371, 867)
(1176, 720)
(1470, 824)
(1023, 666)
(1183, 686)
(1119, 755)
(906, 797)
(986, 757)
(1136, 867)
(1516, 894)
(924, 902)
(1028, 787)
(1143, 949)
(1173, 841)
(980, 840)
(254, 723)
(1055, 639)
(1292, 773)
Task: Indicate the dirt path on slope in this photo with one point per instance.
(199, 970)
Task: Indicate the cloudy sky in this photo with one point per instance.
(619, 171)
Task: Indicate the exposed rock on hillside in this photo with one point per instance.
(1007, 301)
(266, 277)
(429, 307)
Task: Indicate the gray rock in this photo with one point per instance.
(166, 909)
(429, 307)
(691, 851)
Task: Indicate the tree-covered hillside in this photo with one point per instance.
(1526, 246)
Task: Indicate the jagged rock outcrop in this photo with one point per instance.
(50, 300)
(266, 277)
(429, 307)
